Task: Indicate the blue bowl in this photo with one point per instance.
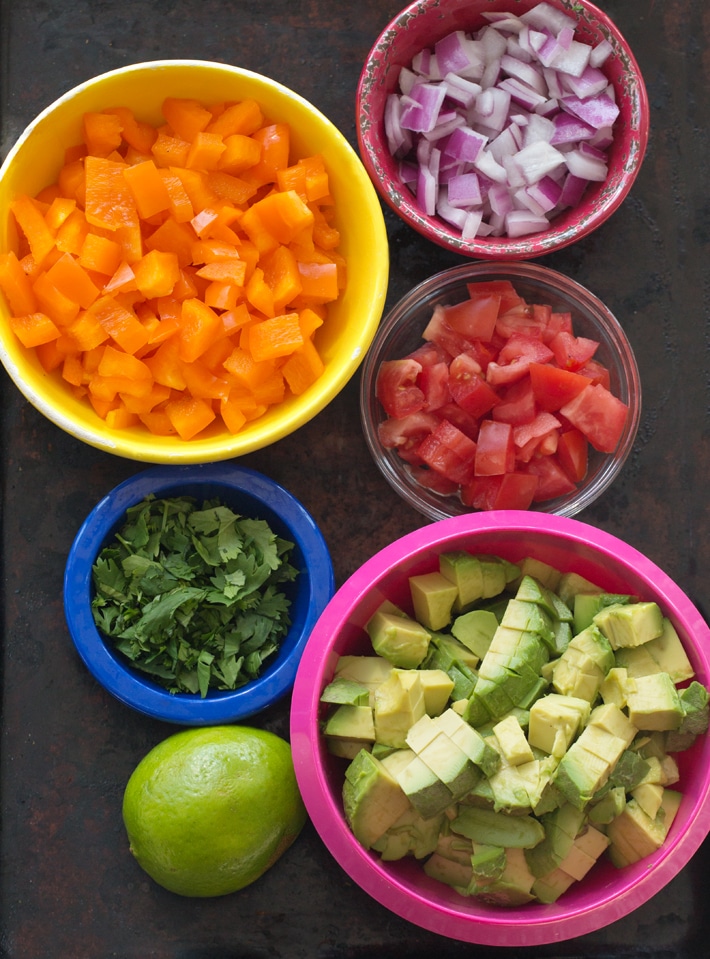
(248, 493)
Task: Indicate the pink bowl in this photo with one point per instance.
(424, 22)
(606, 894)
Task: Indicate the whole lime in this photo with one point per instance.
(208, 810)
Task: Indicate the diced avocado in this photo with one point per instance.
(475, 630)
(614, 688)
(545, 574)
(399, 703)
(562, 637)
(608, 807)
(488, 862)
(498, 573)
(401, 640)
(555, 721)
(513, 887)
(649, 796)
(411, 835)
(528, 617)
(559, 831)
(514, 746)
(446, 651)
(587, 605)
(456, 874)
(630, 624)
(347, 692)
(668, 651)
(423, 788)
(372, 799)
(588, 846)
(637, 661)
(433, 597)
(456, 848)
(653, 703)
(497, 828)
(583, 666)
(589, 761)
(634, 835)
(346, 748)
(351, 722)
(531, 591)
(521, 788)
(465, 572)
(696, 713)
(437, 687)
(445, 759)
(572, 583)
(470, 741)
(548, 889)
(630, 770)
(369, 671)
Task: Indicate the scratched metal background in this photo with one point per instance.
(68, 887)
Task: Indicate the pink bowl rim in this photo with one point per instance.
(544, 925)
(526, 247)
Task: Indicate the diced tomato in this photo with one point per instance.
(598, 414)
(428, 354)
(521, 319)
(397, 388)
(439, 332)
(572, 352)
(429, 479)
(509, 296)
(536, 429)
(459, 417)
(495, 449)
(515, 358)
(553, 387)
(552, 479)
(433, 381)
(455, 439)
(475, 318)
(449, 452)
(468, 388)
(511, 491)
(517, 403)
(557, 323)
(410, 429)
(573, 454)
(597, 373)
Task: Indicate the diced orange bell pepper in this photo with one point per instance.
(73, 370)
(109, 201)
(51, 301)
(30, 219)
(156, 273)
(72, 234)
(232, 414)
(185, 116)
(259, 293)
(275, 337)
(102, 133)
(199, 328)
(136, 133)
(282, 275)
(181, 207)
(240, 153)
(72, 181)
(165, 365)
(303, 368)
(120, 418)
(173, 237)
(275, 142)
(16, 285)
(205, 151)
(71, 279)
(319, 282)
(34, 329)
(242, 118)
(229, 187)
(189, 415)
(202, 382)
(144, 404)
(148, 187)
(121, 324)
(169, 151)
(59, 209)
(86, 331)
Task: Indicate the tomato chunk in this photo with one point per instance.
(397, 388)
(598, 414)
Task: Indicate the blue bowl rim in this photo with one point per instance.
(287, 516)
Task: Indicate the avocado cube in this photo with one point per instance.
(528, 617)
(497, 828)
(514, 746)
(455, 874)
(586, 850)
(587, 605)
(668, 652)
(649, 796)
(555, 720)
(437, 687)
(615, 686)
(399, 639)
(634, 834)
(368, 671)
(465, 572)
(399, 703)
(433, 597)
(475, 630)
(346, 692)
(429, 795)
(572, 583)
(351, 722)
(630, 624)
(654, 703)
(372, 798)
(545, 574)
(481, 753)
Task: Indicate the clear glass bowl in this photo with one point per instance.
(401, 332)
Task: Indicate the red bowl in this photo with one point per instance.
(424, 22)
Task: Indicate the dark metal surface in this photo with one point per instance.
(68, 887)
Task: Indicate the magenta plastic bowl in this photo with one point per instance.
(606, 893)
(400, 332)
(419, 26)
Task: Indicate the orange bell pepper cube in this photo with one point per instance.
(303, 368)
(275, 142)
(109, 201)
(170, 151)
(259, 293)
(120, 418)
(189, 415)
(136, 133)
(117, 363)
(72, 234)
(275, 337)
(86, 331)
(102, 133)
(71, 279)
(199, 328)
(59, 209)
(201, 382)
(232, 414)
(185, 116)
(31, 221)
(34, 329)
(72, 180)
(242, 118)
(240, 153)
(205, 151)
(165, 365)
(231, 270)
(156, 273)
(173, 237)
(281, 274)
(121, 324)
(181, 207)
(53, 302)
(73, 370)
(282, 215)
(16, 285)
(148, 187)
(319, 282)
(100, 254)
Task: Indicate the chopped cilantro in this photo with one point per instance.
(191, 595)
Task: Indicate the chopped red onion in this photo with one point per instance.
(499, 131)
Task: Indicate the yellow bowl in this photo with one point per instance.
(34, 163)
